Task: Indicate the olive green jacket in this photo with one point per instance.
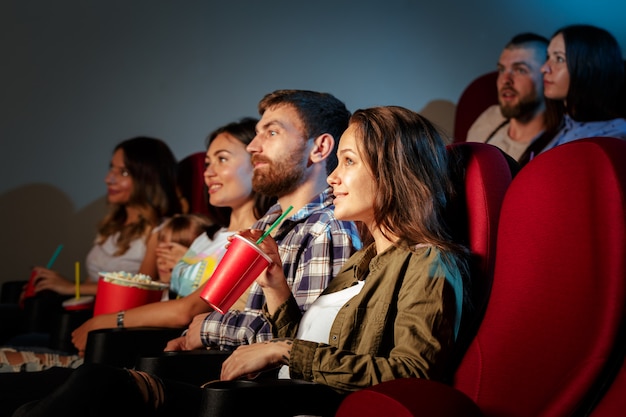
(402, 323)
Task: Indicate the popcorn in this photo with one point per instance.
(133, 280)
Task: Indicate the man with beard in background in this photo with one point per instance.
(519, 118)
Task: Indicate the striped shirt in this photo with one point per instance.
(313, 246)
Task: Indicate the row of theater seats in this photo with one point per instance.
(547, 339)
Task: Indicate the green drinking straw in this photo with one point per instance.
(278, 220)
(54, 257)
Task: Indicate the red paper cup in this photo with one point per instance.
(112, 297)
(242, 263)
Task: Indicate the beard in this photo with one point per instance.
(523, 110)
(278, 178)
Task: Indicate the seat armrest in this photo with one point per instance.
(122, 347)
(11, 319)
(195, 367)
(11, 290)
(272, 397)
(241, 397)
(409, 397)
(63, 324)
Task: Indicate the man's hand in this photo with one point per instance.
(191, 339)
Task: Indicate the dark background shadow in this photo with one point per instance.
(34, 220)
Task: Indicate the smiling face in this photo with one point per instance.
(228, 172)
(354, 186)
(118, 180)
(520, 84)
(555, 72)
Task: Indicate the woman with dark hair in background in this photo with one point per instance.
(141, 193)
(583, 81)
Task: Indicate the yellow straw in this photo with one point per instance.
(77, 280)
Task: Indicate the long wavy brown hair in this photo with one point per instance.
(407, 155)
(153, 168)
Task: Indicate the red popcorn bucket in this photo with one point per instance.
(119, 291)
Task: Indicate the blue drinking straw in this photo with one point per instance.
(54, 257)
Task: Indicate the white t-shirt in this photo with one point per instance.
(485, 124)
(101, 257)
(318, 319)
(492, 128)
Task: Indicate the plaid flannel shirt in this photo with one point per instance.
(313, 247)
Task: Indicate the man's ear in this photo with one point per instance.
(323, 146)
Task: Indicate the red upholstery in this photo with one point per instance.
(191, 182)
(477, 96)
(380, 401)
(487, 175)
(558, 297)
